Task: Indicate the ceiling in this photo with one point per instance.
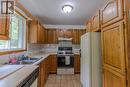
(50, 12)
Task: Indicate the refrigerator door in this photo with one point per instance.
(96, 59)
(85, 76)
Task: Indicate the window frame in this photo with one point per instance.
(18, 50)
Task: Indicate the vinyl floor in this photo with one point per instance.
(63, 81)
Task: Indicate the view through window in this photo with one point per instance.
(17, 33)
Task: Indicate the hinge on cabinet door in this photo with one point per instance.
(126, 77)
(125, 70)
(123, 25)
(126, 83)
(124, 13)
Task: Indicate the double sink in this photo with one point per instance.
(25, 61)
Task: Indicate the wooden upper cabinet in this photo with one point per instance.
(113, 47)
(51, 36)
(96, 22)
(112, 12)
(4, 28)
(76, 34)
(36, 32)
(113, 79)
(89, 26)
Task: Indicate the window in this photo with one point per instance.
(17, 34)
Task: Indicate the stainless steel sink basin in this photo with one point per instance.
(25, 61)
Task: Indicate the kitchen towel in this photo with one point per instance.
(67, 60)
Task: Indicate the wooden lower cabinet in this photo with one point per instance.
(53, 64)
(114, 59)
(48, 65)
(113, 79)
(77, 64)
(43, 72)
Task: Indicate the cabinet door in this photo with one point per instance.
(113, 79)
(113, 47)
(38, 33)
(55, 36)
(96, 22)
(112, 12)
(33, 31)
(77, 64)
(42, 35)
(89, 26)
(53, 64)
(51, 36)
(41, 80)
(4, 28)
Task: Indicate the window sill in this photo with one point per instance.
(11, 51)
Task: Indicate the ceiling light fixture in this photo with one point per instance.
(67, 8)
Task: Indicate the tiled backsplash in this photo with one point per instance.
(5, 58)
(36, 48)
(48, 48)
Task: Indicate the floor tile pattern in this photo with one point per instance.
(63, 81)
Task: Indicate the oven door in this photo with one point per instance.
(65, 61)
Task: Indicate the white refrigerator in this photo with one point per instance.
(91, 61)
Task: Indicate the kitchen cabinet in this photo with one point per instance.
(36, 32)
(127, 4)
(89, 26)
(4, 28)
(96, 22)
(66, 33)
(40, 33)
(114, 59)
(77, 64)
(43, 72)
(113, 47)
(51, 36)
(113, 79)
(114, 44)
(76, 35)
(53, 64)
(112, 12)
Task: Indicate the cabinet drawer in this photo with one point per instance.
(112, 12)
(113, 47)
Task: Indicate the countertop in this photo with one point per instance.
(14, 79)
(42, 56)
(17, 75)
